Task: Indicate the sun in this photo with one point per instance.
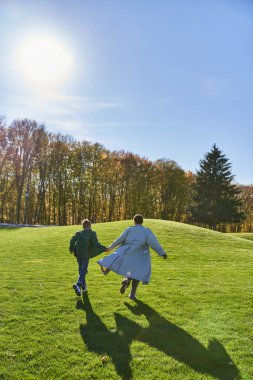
(44, 61)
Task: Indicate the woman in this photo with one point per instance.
(132, 258)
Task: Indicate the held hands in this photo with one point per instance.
(108, 249)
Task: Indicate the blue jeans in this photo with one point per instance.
(82, 269)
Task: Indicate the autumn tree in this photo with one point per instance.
(22, 144)
(6, 176)
(247, 199)
(172, 190)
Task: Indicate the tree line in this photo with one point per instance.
(52, 179)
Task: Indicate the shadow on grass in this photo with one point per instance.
(102, 341)
(177, 343)
(161, 334)
(9, 228)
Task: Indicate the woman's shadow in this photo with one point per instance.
(178, 344)
(160, 334)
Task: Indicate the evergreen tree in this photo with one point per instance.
(216, 199)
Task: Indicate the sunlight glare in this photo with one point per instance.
(44, 61)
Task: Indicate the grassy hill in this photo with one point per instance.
(244, 235)
(193, 321)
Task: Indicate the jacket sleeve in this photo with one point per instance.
(72, 243)
(153, 243)
(95, 247)
(95, 243)
(120, 240)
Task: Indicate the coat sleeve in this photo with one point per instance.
(72, 243)
(153, 243)
(120, 240)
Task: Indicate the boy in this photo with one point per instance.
(84, 244)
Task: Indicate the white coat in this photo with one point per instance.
(132, 258)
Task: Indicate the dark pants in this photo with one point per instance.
(82, 269)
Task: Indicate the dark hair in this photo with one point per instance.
(86, 223)
(138, 219)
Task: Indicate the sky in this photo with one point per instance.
(161, 79)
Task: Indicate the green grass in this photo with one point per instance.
(244, 235)
(192, 322)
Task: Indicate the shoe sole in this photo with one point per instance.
(78, 293)
(104, 271)
(125, 284)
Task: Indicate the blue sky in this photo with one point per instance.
(162, 79)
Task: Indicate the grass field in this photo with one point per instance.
(244, 235)
(194, 320)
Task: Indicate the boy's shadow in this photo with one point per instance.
(160, 334)
(102, 341)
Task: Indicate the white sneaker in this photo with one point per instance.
(77, 289)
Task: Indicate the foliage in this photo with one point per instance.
(247, 199)
(192, 322)
(52, 179)
(217, 200)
